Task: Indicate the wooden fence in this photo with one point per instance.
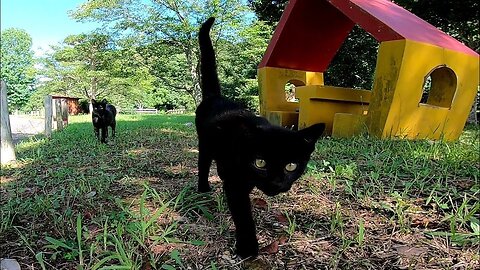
(56, 114)
(8, 150)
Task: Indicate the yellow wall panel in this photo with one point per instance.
(395, 106)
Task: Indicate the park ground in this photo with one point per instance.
(25, 126)
(70, 202)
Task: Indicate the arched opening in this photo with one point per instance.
(439, 87)
(290, 88)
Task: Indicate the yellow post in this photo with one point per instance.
(273, 103)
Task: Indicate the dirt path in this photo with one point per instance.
(24, 126)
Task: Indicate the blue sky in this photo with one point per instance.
(46, 21)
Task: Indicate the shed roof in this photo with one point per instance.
(310, 32)
(62, 96)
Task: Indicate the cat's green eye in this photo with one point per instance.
(260, 163)
(290, 167)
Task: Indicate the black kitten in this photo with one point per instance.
(248, 150)
(103, 115)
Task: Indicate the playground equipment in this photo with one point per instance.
(411, 51)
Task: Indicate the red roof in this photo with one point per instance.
(310, 32)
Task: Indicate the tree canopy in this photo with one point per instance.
(145, 54)
(161, 36)
(354, 64)
(17, 66)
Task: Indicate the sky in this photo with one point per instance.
(46, 21)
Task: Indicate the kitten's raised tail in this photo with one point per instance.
(208, 68)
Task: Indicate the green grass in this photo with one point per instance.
(71, 202)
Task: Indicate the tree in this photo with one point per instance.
(164, 33)
(457, 18)
(354, 64)
(238, 62)
(17, 66)
(77, 67)
(268, 11)
(93, 67)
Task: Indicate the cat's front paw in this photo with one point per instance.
(246, 249)
(204, 188)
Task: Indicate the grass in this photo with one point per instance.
(71, 202)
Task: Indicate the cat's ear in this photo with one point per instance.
(94, 102)
(312, 133)
(104, 101)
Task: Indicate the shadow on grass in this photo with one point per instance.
(72, 174)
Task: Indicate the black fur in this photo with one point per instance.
(248, 150)
(103, 115)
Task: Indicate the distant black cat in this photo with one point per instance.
(103, 115)
(248, 150)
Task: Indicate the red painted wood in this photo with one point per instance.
(309, 34)
(386, 21)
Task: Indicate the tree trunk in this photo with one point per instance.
(194, 74)
(93, 92)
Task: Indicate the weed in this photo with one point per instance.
(336, 219)
(361, 232)
(463, 218)
(189, 201)
(220, 202)
(292, 225)
(400, 209)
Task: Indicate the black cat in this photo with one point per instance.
(103, 115)
(248, 150)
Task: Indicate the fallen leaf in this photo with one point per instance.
(147, 266)
(257, 264)
(270, 249)
(423, 221)
(161, 249)
(410, 252)
(260, 203)
(281, 217)
(87, 214)
(282, 239)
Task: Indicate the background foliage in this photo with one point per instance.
(354, 64)
(17, 66)
(145, 54)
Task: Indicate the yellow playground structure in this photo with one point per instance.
(411, 51)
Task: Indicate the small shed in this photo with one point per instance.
(72, 103)
(411, 51)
